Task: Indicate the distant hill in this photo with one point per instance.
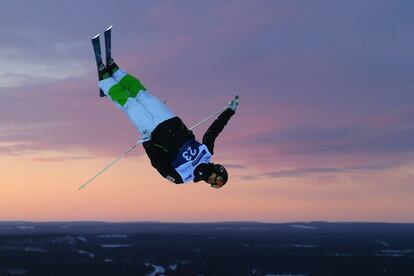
(15, 227)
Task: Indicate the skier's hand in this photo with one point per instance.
(234, 103)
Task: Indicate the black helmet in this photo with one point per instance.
(206, 171)
(221, 174)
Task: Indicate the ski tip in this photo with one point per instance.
(96, 36)
(110, 27)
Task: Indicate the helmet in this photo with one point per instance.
(221, 175)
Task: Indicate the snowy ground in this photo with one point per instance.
(296, 249)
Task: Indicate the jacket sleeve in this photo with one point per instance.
(215, 129)
(160, 161)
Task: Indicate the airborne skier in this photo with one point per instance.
(171, 146)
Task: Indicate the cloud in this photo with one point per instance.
(324, 171)
(235, 166)
(23, 67)
(394, 136)
(22, 73)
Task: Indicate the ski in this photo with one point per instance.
(97, 50)
(98, 57)
(107, 35)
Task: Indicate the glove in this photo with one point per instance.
(234, 103)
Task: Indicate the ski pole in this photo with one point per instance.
(214, 114)
(209, 117)
(144, 140)
(111, 164)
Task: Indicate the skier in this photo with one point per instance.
(170, 146)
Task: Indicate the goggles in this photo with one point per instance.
(217, 182)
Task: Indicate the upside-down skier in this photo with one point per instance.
(170, 145)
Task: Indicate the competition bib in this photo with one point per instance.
(189, 157)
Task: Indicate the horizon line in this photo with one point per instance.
(202, 222)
